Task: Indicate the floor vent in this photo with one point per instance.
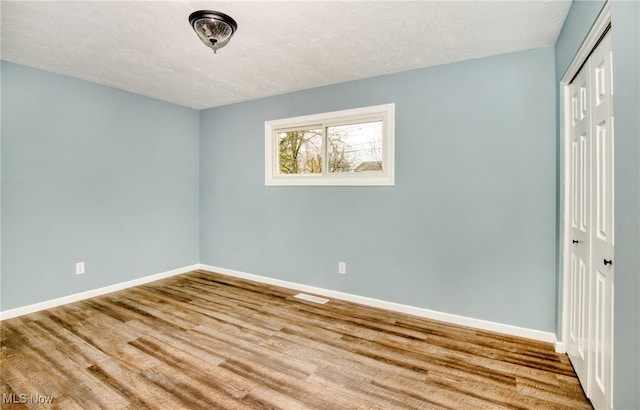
(311, 298)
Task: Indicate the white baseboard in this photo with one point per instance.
(36, 307)
(397, 307)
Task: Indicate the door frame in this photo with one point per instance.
(600, 27)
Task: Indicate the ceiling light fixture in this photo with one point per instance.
(215, 29)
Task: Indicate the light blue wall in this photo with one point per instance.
(92, 174)
(576, 27)
(626, 84)
(625, 16)
(468, 229)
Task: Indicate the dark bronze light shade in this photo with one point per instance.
(214, 29)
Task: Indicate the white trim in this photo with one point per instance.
(396, 307)
(386, 177)
(601, 23)
(564, 231)
(589, 43)
(36, 307)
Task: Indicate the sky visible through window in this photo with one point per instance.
(349, 148)
(360, 144)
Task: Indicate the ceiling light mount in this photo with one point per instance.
(214, 29)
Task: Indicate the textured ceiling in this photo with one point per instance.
(149, 48)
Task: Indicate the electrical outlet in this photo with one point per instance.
(342, 268)
(79, 268)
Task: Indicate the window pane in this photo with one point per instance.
(355, 147)
(300, 151)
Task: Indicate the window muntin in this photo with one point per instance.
(351, 147)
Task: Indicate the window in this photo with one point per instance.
(351, 147)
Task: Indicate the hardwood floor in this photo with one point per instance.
(203, 340)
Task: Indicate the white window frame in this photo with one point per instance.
(386, 177)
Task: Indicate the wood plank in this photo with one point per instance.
(204, 340)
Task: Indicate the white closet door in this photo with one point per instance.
(580, 193)
(602, 268)
(591, 264)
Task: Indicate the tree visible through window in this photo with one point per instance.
(355, 144)
(300, 152)
(355, 147)
(350, 148)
